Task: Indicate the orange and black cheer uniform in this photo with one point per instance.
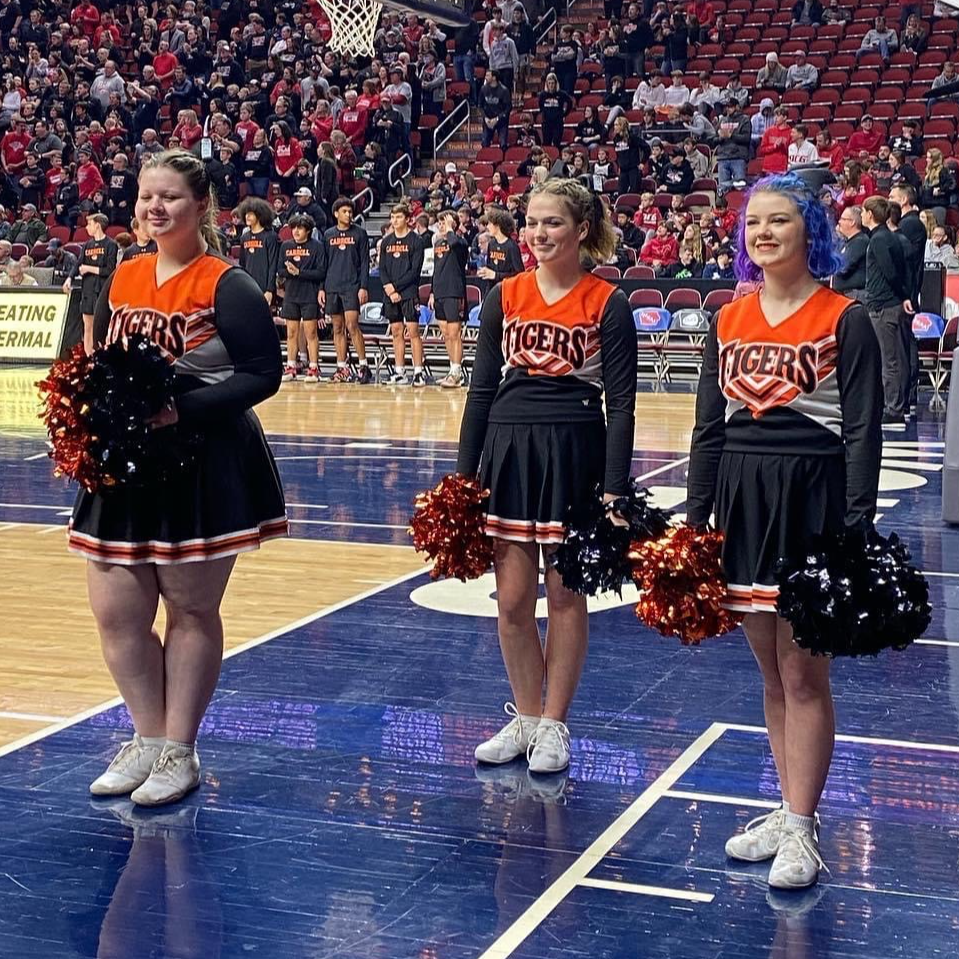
(788, 435)
(213, 324)
(533, 425)
(103, 255)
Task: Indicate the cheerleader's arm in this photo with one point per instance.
(487, 373)
(709, 436)
(246, 328)
(618, 338)
(102, 313)
(859, 371)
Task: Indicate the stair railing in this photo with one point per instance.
(394, 177)
(546, 24)
(452, 123)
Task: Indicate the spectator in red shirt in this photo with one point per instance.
(89, 178)
(369, 99)
(56, 177)
(831, 150)
(13, 147)
(867, 138)
(188, 129)
(322, 125)
(246, 127)
(412, 32)
(286, 153)
(87, 17)
(345, 162)
(647, 217)
(703, 11)
(165, 63)
(498, 192)
(353, 120)
(859, 186)
(774, 145)
(661, 250)
(107, 34)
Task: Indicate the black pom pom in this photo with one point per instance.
(593, 556)
(855, 594)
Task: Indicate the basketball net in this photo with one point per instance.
(353, 23)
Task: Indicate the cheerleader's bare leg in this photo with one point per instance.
(517, 585)
(567, 639)
(193, 645)
(760, 630)
(810, 721)
(124, 601)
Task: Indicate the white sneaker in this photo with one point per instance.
(399, 379)
(798, 862)
(759, 840)
(511, 741)
(130, 768)
(549, 747)
(452, 381)
(174, 774)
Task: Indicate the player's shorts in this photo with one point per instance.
(448, 309)
(88, 302)
(406, 311)
(339, 303)
(300, 311)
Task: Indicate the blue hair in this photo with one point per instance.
(823, 259)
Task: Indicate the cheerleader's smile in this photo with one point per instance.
(775, 234)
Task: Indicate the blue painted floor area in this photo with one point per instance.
(342, 814)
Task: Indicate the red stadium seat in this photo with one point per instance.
(639, 298)
(640, 273)
(717, 298)
(683, 299)
(608, 272)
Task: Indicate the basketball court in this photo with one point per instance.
(342, 813)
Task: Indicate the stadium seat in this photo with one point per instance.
(715, 299)
(683, 298)
(641, 272)
(608, 272)
(641, 299)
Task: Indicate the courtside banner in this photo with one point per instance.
(31, 323)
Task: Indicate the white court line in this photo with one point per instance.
(308, 505)
(31, 717)
(714, 797)
(868, 740)
(686, 895)
(936, 642)
(28, 506)
(6, 526)
(911, 465)
(915, 444)
(336, 522)
(36, 456)
(370, 456)
(518, 932)
(304, 621)
(47, 530)
(662, 469)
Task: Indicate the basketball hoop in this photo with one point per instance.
(353, 23)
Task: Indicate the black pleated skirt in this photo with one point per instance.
(770, 508)
(534, 472)
(230, 501)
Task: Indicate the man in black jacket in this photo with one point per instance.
(888, 291)
(496, 102)
(851, 279)
(465, 41)
(911, 227)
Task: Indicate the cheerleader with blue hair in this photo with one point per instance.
(786, 448)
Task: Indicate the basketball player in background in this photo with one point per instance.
(448, 297)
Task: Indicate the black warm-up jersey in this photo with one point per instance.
(310, 259)
(401, 263)
(504, 258)
(260, 257)
(103, 255)
(134, 250)
(810, 386)
(450, 256)
(347, 260)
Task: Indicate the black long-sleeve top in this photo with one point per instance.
(260, 257)
(910, 226)
(553, 364)
(809, 387)
(852, 276)
(347, 260)
(504, 259)
(310, 260)
(887, 281)
(401, 263)
(212, 322)
(103, 255)
(451, 255)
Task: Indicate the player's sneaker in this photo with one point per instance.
(419, 379)
(511, 741)
(549, 747)
(342, 375)
(759, 840)
(129, 768)
(364, 377)
(452, 381)
(289, 373)
(312, 375)
(798, 862)
(174, 774)
(399, 379)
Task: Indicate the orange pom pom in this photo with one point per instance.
(682, 584)
(448, 524)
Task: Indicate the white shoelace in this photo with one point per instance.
(796, 843)
(168, 758)
(125, 757)
(551, 727)
(513, 729)
(767, 819)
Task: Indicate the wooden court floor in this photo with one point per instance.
(50, 664)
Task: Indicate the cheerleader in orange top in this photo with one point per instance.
(552, 342)
(786, 447)
(178, 541)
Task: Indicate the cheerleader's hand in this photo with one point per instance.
(614, 518)
(166, 417)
